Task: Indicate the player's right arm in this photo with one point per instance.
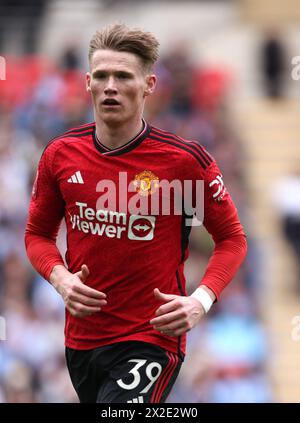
(46, 210)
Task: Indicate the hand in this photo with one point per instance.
(80, 300)
(178, 315)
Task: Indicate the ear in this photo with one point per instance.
(150, 85)
(88, 81)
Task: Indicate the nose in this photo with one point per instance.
(110, 87)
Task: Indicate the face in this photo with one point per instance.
(118, 84)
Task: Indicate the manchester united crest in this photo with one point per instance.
(146, 183)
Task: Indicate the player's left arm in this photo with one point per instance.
(179, 314)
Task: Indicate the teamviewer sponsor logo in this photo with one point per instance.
(141, 227)
(112, 224)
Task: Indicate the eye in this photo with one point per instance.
(99, 75)
(123, 75)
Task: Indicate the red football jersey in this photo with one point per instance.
(128, 254)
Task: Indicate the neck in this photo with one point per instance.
(114, 136)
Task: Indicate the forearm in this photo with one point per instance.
(43, 254)
(224, 263)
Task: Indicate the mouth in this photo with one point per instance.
(110, 102)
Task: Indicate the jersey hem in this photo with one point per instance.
(151, 339)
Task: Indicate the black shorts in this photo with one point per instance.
(132, 372)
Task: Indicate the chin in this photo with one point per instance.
(112, 120)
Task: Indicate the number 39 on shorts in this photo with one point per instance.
(152, 370)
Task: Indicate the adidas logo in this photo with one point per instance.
(76, 178)
(136, 400)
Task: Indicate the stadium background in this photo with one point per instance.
(214, 86)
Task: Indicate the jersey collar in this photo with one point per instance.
(130, 145)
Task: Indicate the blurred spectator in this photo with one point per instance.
(19, 381)
(21, 20)
(179, 66)
(273, 63)
(70, 58)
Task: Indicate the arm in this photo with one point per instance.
(46, 211)
(180, 314)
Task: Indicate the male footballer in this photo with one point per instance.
(122, 281)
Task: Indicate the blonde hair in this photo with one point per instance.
(119, 37)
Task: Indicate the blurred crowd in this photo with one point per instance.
(227, 352)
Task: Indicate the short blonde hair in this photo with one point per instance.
(119, 37)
